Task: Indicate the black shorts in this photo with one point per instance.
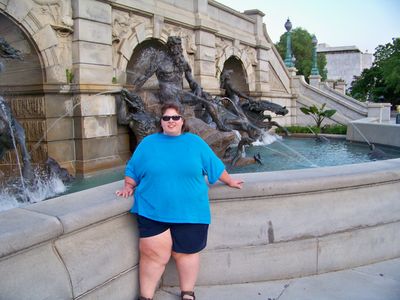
(186, 237)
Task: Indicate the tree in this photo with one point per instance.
(302, 48)
(318, 114)
(383, 78)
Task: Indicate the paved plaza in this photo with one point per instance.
(380, 281)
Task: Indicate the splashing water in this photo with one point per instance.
(266, 139)
(14, 143)
(13, 194)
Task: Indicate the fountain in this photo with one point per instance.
(319, 219)
(33, 185)
(227, 113)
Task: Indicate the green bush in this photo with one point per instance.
(329, 129)
(334, 129)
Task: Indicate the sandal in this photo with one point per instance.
(143, 298)
(187, 293)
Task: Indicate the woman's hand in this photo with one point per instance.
(229, 181)
(235, 183)
(129, 186)
(125, 192)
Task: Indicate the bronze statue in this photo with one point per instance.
(228, 113)
(253, 110)
(131, 111)
(169, 67)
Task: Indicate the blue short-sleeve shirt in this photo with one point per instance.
(170, 172)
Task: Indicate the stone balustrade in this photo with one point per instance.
(280, 225)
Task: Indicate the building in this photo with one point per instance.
(345, 62)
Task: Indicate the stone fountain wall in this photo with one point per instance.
(281, 225)
(77, 49)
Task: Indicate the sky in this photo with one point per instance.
(361, 23)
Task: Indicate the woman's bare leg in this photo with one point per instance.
(155, 253)
(188, 266)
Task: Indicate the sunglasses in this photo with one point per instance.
(174, 118)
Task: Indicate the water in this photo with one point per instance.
(15, 193)
(277, 156)
(104, 177)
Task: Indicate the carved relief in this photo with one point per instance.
(123, 25)
(35, 130)
(28, 107)
(251, 55)
(188, 45)
(124, 37)
(57, 12)
(220, 53)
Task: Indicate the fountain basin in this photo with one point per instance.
(280, 225)
(370, 129)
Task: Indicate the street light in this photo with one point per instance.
(288, 56)
(314, 70)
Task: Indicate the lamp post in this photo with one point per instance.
(314, 70)
(288, 56)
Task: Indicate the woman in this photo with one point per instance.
(167, 172)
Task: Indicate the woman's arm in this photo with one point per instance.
(129, 186)
(228, 180)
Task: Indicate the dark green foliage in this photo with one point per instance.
(328, 129)
(334, 129)
(302, 49)
(383, 78)
(318, 114)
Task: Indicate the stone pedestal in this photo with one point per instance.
(380, 111)
(292, 71)
(340, 86)
(315, 80)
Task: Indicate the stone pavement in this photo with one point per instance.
(380, 281)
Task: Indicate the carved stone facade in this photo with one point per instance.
(77, 53)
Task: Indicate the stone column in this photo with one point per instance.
(204, 62)
(262, 83)
(96, 144)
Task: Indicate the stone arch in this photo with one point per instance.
(143, 30)
(135, 65)
(247, 58)
(140, 33)
(29, 70)
(51, 41)
(238, 79)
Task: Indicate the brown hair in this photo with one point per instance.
(180, 110)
